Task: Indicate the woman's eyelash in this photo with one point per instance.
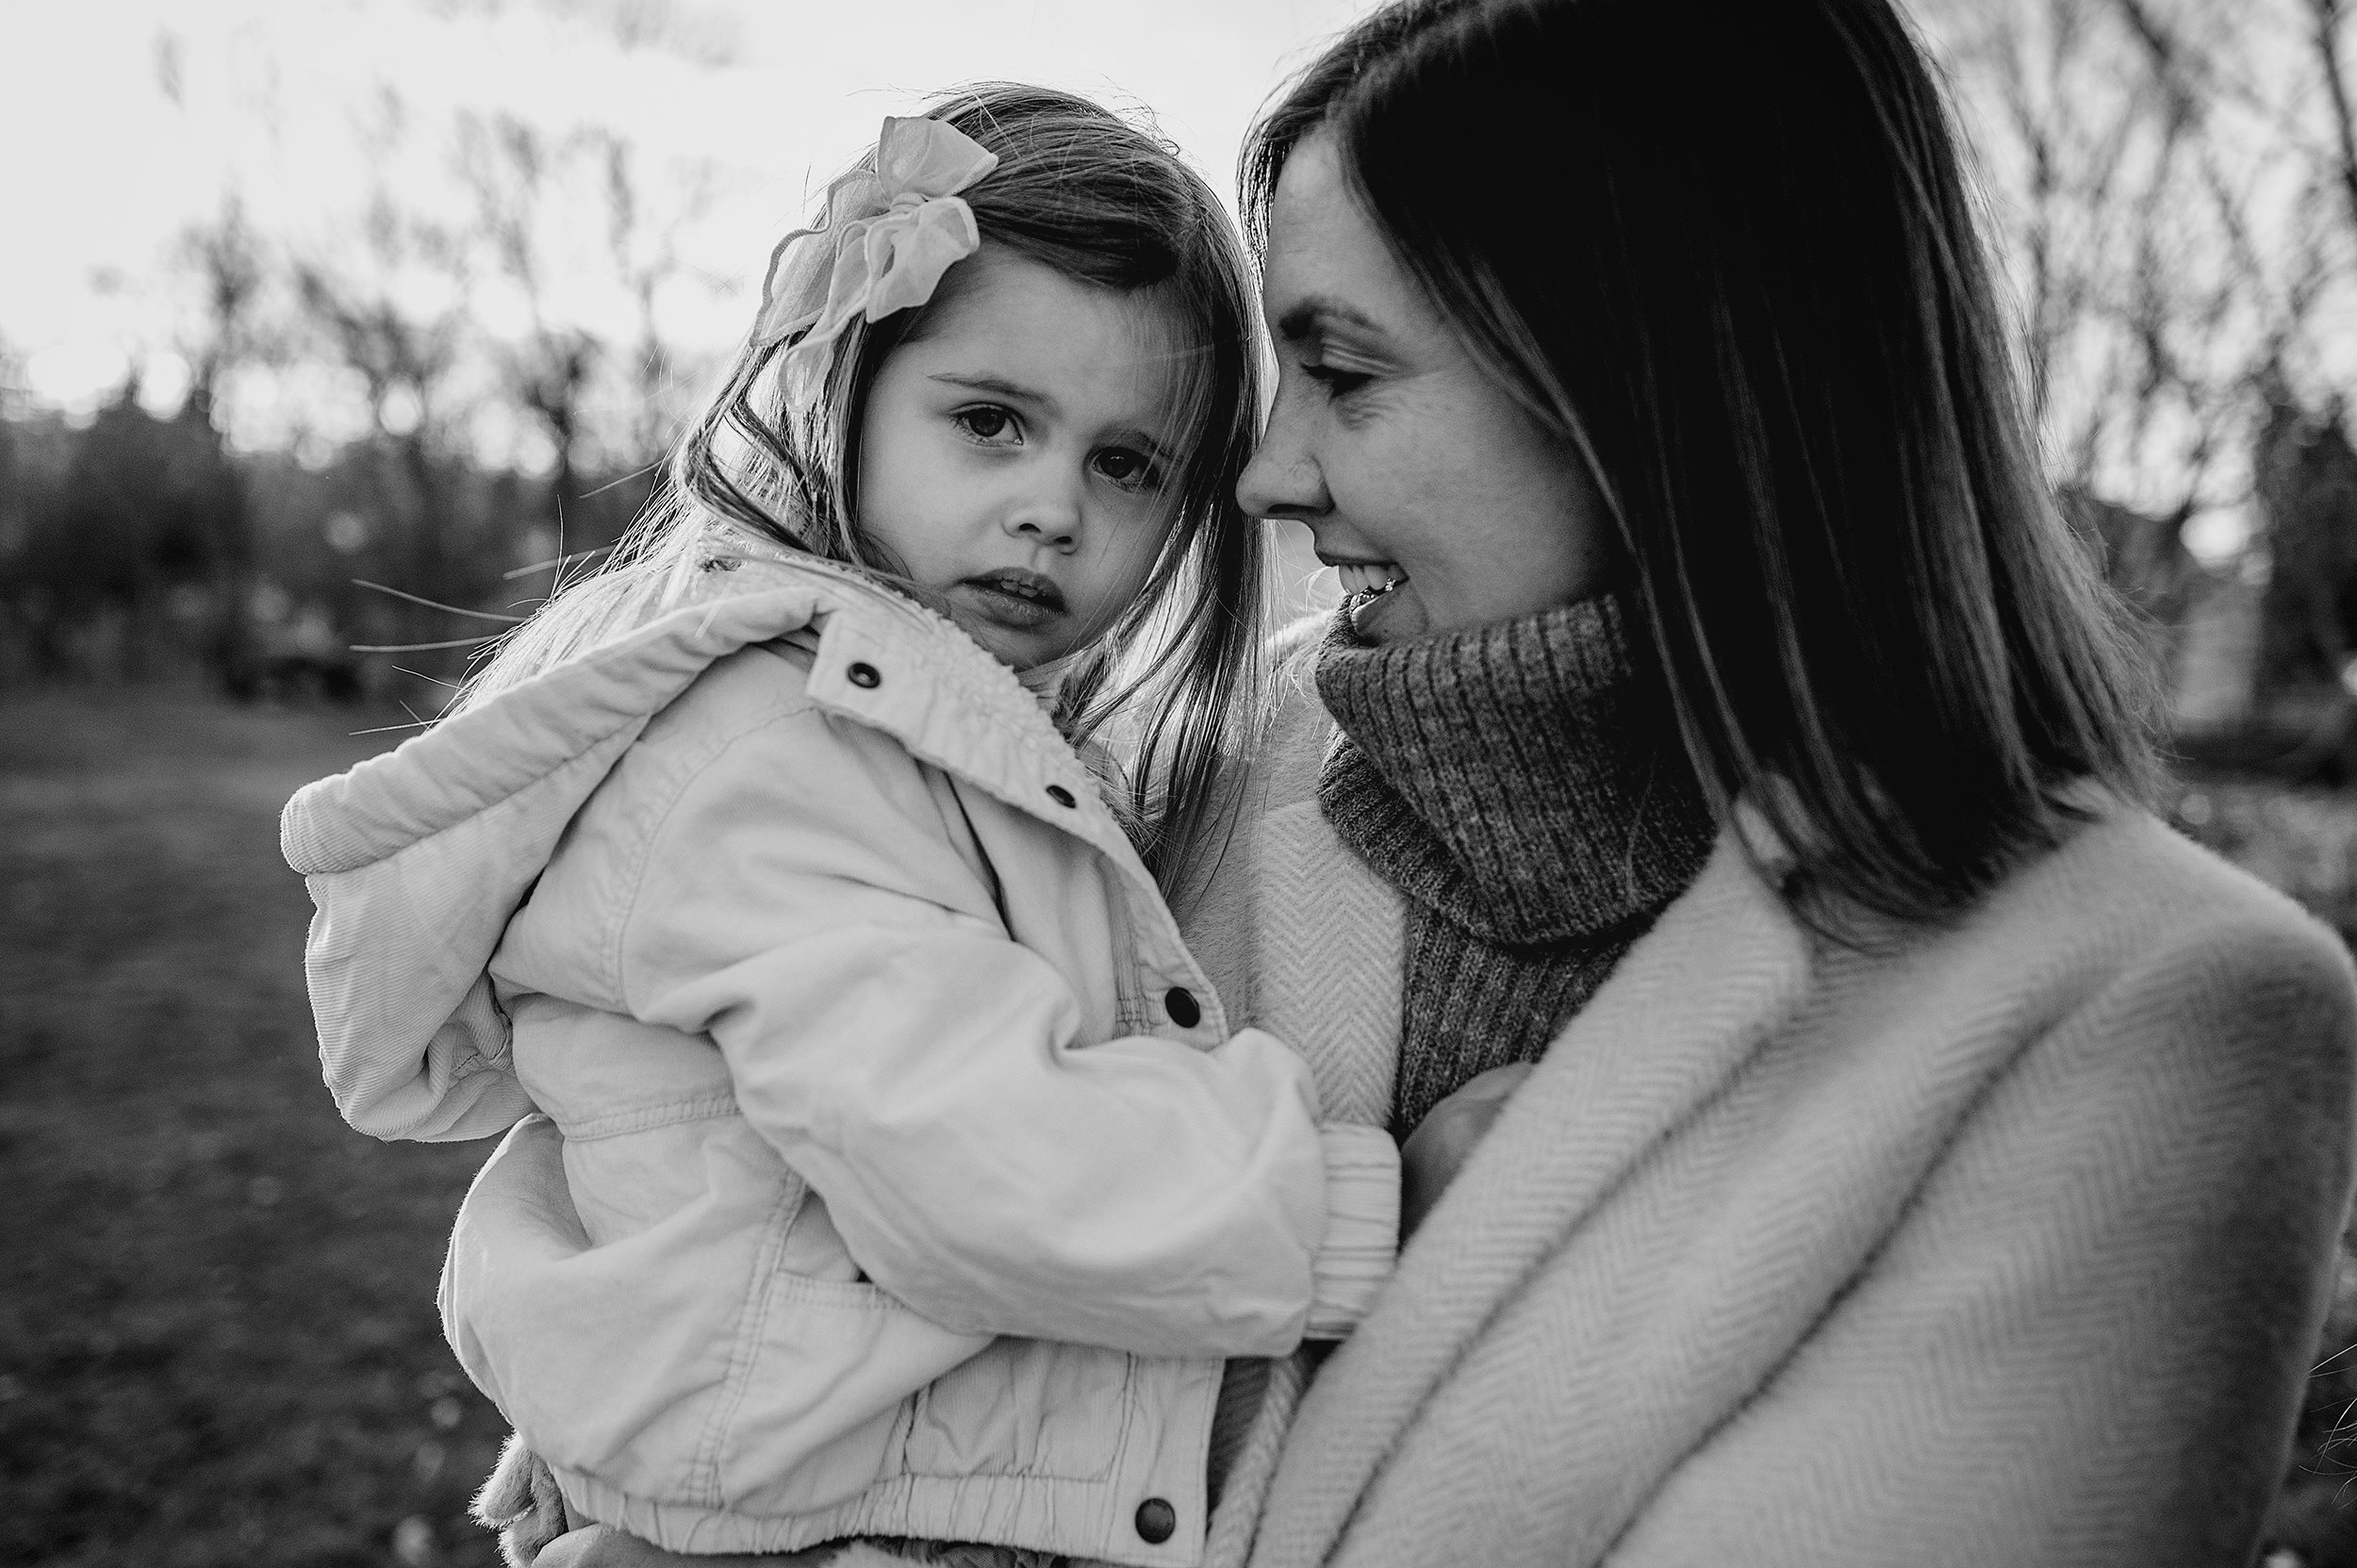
(1337, 383)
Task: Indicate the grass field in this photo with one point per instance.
(218, 1339)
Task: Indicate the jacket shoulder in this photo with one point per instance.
(748, 754)
(2165, 894)
(2155, 974)
(752, 686)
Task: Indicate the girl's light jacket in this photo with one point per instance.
(795, 891)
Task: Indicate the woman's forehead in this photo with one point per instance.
(1315, 224)
(1327, 265)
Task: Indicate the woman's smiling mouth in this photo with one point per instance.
(1368, 587)
(1015, 597)
(1369, 577)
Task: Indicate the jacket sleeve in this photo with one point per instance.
(803, 906)
(2087, 1341)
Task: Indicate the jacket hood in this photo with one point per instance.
(418, 858)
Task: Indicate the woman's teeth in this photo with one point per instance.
(1382, 577)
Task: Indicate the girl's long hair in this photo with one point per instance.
(1725, 253)
(1106, 202)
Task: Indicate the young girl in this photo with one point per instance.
(923, 1190)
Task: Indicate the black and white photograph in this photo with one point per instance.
(1178, 784)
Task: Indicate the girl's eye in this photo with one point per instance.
(988, 423)
(1131, 470)
(1337, 383)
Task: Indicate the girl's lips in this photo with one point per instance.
(1013, 598)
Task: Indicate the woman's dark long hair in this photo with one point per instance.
(1725, 249)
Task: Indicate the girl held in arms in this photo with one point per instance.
(783, 870)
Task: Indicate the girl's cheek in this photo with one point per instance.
(1131, 513)
(1134, 561)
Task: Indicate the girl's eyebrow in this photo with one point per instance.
(1000, 386)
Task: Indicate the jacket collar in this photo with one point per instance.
(880, 659)
(892, 665)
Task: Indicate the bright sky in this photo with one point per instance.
(101, 168)
(124, 122)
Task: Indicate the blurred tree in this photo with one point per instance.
(120, 550)
(560, 364)
(2169, 183)
(2306, 483)
(15, 517)
(510, 167)
(13, 499)
(647, 210)
(643, 240)
(2177, 187)
(128, 545)
(231, 268)
(702, 35)
(506, 276)
(396, 316)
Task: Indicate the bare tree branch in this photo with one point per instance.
(2327, 16)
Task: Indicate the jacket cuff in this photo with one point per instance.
(1361, 1227)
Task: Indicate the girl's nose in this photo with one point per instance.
(1283, 480)
(1049, 517)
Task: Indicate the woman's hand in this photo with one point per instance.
(1434, 1152)
(601, 1546)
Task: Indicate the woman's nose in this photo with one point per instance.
(1283, 480)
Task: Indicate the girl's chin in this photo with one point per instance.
(1018, 646)
(1393, 617)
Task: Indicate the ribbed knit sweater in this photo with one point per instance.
(1521, 787)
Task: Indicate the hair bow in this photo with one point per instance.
(886, 236)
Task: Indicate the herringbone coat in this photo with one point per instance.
(2002, 1243)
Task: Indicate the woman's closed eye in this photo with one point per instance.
(1338, 383)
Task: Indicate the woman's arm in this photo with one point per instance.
(920, 1069)
(2086, 1342)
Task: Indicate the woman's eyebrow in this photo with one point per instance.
(1306, 318)
(999, 386)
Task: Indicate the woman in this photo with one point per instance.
(1928, 1157)
(1950, 1171)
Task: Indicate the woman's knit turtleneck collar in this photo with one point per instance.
(1517, 779)
(1523, 789)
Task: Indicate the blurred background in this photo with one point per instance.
(332, 330)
